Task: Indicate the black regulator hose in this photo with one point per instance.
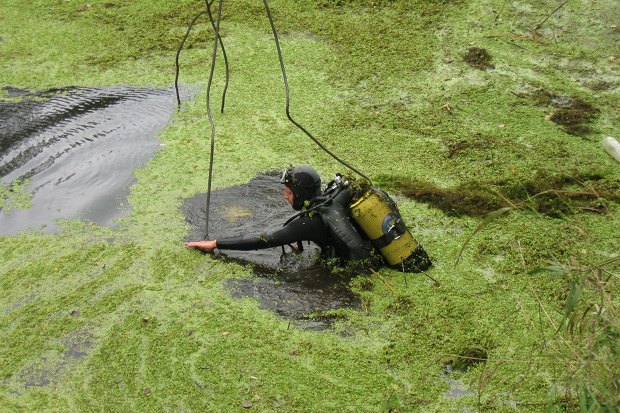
(322, 202)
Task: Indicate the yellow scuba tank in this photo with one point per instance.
(377, 215)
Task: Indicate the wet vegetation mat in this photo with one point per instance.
(478, 58)
(553, 196)
(482, 119)
(574, 114)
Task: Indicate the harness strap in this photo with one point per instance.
(300, 247)
(395, 232)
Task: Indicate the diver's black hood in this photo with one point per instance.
(304, 182)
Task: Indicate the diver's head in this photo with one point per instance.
(303, 184)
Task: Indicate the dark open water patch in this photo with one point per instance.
(296, 286)
(306, 297)
(258, 206)
(77, 148)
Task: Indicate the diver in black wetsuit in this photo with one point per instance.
(302, 185)
(347, 224)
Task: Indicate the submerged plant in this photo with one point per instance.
(551, 195)
(587, 340)
(555, 203)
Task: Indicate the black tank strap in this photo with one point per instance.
(395, 232)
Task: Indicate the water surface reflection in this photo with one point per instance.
(77, 148)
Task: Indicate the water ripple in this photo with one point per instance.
(78, 147)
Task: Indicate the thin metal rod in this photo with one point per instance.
(209, 3)
(189, 28)
(214, 56)
(286, 90)
(176, 78)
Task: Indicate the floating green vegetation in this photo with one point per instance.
(14, 196)
(467, 358)
(127, 319)
(353, 3)
(135, 27)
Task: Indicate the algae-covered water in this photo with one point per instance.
(457, 108)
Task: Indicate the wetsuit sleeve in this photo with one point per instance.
(301, 229)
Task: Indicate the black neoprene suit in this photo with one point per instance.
(303, 228)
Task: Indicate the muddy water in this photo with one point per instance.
(294, 285)
(78, 147)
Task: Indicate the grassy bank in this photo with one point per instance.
(459, 108)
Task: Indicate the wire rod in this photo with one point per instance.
(286, 89)
(176, 78)
(215, 44)
(209, 3)
(178, 54)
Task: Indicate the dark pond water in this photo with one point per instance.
(78, 147)
(294, 285)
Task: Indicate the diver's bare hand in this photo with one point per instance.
(207, 245)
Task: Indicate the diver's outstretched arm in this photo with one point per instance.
(206, 245)
(300, 229)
